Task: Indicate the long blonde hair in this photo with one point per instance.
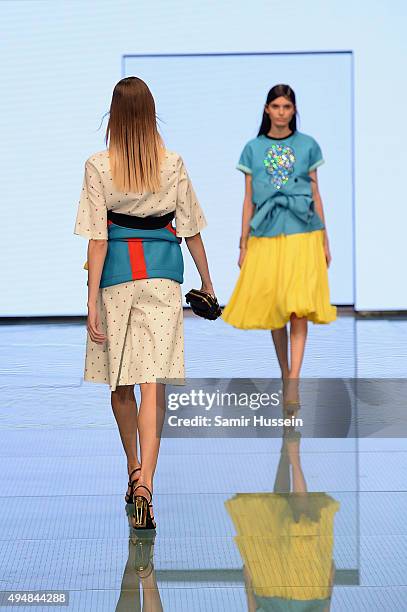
(135, 146)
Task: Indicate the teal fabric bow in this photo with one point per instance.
(301, 205)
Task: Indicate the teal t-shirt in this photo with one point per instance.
(281, 185)
(277, 604)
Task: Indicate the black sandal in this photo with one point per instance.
(129, 498)
(144, 553)
(142, 518)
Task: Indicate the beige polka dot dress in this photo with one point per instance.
(142, 319)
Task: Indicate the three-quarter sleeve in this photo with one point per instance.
(315, 156)
(91, 219)
(189, 216)
(246, 160)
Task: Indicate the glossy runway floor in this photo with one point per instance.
(229, 538)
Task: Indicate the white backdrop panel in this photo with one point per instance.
(210, 105)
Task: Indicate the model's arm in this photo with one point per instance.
(248, 210)
(331, 584)
(197, 250)
(97, 250)
(320, 210)
(251, 600)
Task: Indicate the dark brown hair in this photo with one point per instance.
(276, 92)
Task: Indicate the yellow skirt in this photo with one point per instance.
(281, 275)
(285, 558)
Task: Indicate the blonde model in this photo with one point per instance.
(132, 192)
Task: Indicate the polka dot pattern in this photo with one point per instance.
(91, 218)
(143, 322)
(99, 195)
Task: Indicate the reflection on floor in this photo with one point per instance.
(296, 523)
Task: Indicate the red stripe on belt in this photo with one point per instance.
(172, 229)
(137, 259)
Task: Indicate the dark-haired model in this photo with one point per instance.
(284, 248)
(131, 193)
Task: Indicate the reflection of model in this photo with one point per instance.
(131, 192)
(286, 540)
(284, 250)
(139, 576)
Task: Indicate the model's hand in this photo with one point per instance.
(208, 288)
(327, 253)
(93, 325)
(242, 255)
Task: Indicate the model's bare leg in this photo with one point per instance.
(293, 452)
(130, 595)
(151, 594)
(300, 501)
(150, 424)
(282, 483)
(298, 336)
(124, 407)
(280, 339)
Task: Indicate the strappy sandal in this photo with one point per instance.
(291, 407)
(142, 518)
(291, 385)
(129, 498)
(144, 553)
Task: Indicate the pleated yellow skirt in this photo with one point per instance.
(285, 558)
(281, 275)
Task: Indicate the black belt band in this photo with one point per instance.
(140, 222)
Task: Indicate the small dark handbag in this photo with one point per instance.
(203, 304)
